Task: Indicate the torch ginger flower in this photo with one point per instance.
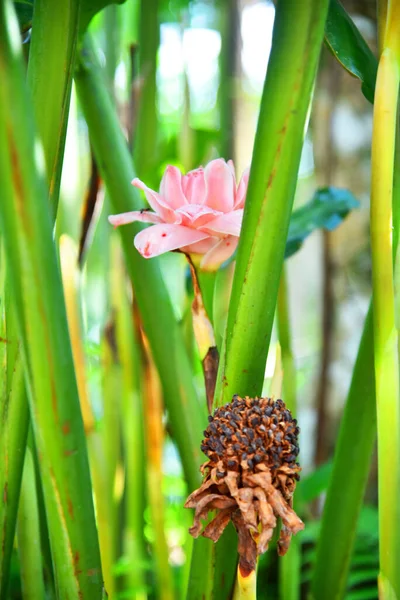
(197, 213)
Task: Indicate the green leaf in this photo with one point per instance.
(327, 209)
(24, 10)
(350, 49)
(91, 7)
(311, 486)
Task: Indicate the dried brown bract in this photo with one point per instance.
(250, 476)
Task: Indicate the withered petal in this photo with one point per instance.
(247, 547)
(216, 527)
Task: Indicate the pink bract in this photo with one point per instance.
(197, 213)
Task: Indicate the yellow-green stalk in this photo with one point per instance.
(385, 332)
(246, 585)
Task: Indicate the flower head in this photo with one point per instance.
(198, 213)
(250, 476)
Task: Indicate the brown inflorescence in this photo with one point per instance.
(250, 477)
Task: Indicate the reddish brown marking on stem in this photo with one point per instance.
(5, 341)
(271, 177)
(66, 427)
(245, 371)
(16, 171)
(76, 559)
(92, 572)
(70, 508)
(5, 493)
(245, 570)
(69, 453)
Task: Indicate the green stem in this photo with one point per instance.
(345, 494)
(290, 564)
(385, 331)
(38, 296)
(229, 14)
(272, 183)
(146, 123)
(51, 64)
(28, 535)
(186, 413)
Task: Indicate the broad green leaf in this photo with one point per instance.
(327, 209)
(311, 486)
(24, 10)
(350, 49)
(345, 494)
(91, 7)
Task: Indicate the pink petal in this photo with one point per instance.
(232, 167)
(219, 253)
(196, 215)
(242, 189)
(194, 186)
(156, 202)
(201, 247)
(171, 187)
(143, 216)
(227, 224)
(220, 184)
(165, 237)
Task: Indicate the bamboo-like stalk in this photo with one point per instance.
(28, 535)
(51, 64)
(144, 145)
(290, 564)
(385, 331)
(37, 293)
(272, 182)
(187, 415)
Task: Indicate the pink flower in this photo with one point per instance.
(198, 213)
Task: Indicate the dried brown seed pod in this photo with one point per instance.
(250, 477)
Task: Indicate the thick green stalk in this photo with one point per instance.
(28, 535)
(345, 494)
(290, 564)
(144, 144)
(385, 330)
(51, 63)
(229, 18)
(187, 416)
(276, 156)
(37, 292)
